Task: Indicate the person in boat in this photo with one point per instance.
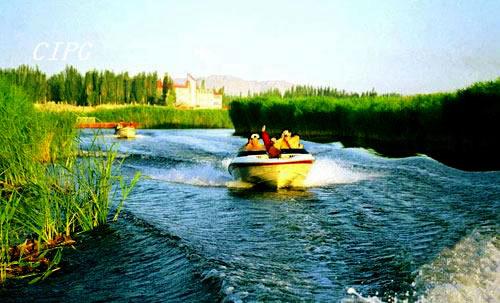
(253, 143)
(269, 143)
(288, 141)
(295, 141)
(118, 126)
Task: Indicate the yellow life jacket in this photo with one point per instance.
(279, 144)
(254, 146)
(292, 142)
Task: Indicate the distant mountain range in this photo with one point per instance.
(235, 86)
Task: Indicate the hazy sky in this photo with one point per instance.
(397, 46)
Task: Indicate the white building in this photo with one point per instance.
(189, 95)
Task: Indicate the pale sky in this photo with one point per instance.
(392, 46)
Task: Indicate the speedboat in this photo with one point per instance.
(290, 169)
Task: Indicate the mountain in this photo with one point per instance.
(235, 86)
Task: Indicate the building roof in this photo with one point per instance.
(177, 85)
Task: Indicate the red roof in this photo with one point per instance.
(181, 85)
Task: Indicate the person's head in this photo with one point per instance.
(254, 138)
(286, 133)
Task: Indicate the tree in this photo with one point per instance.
(126, 88)
(166, 86)
(56, 90)
(171, 97)
(73, 85)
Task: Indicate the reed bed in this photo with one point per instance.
(148, 116)
(317, 116)
(65, 107)
(47, 194)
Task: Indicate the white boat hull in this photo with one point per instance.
(289, 170)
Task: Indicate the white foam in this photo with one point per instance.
(357, 297)
(239, 184)
(328, 171)
(323, 173)
(226, 162)
(468, 272)
(200, 175)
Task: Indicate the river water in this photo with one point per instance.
(367, 229)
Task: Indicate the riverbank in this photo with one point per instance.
(47, 194)
(458, 128)
(148, 116)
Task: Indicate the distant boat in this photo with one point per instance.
(289, 170)
(125, 132)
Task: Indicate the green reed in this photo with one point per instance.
(470, 112)
(166, 117)
(149, 116)
(7, 213)
(47, 194)
(312, 116)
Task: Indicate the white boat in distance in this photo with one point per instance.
(126, 132)
(289, 170)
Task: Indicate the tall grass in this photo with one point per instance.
(46, 193)
(167, 117)
(376, 117)
(149, 116)
(461, 121)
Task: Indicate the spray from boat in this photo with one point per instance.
(324, 172)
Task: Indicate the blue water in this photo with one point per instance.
(382, 228)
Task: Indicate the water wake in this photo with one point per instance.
(468, 272)
(327, 171)
(199, 175)
(323, 173)
(358, 298)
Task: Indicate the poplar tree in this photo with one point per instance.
(165, 88)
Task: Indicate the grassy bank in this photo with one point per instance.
(458, 128)
(47, 195)
(148, 116)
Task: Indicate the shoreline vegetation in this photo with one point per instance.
(47, 194)
(148, 116)
(459, 128)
